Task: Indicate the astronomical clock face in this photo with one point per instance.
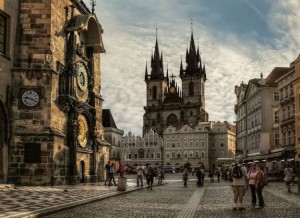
(172, 89)
(82, 131)
(81, 82)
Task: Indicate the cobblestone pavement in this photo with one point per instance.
(25, 201)
(172, 200)
(169, 200)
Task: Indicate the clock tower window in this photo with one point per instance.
(191, 89)
(154, 93)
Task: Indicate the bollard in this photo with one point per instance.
(122, 182)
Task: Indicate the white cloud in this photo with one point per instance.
(229, 58)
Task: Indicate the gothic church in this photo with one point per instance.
(167, 105)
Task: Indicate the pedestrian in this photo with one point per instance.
(211, 175)
(199, 177)
(193, 171)
(151, 175)
(146, 173)
(107, 167)
(185, 175)
(288, 176)
(121, 170)
(218, 174)
(159, 175)
(112, 171)
(251, 178)
(139, 175)
(297, 174)
(202, 175)
(239, 183)
(260, 175)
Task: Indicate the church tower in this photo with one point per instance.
(156, 87)
(167, 105)
(193, 85)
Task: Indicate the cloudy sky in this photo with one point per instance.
(238, 40)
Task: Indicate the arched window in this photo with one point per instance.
(154, 92)
(202, 154)
(172, 120)
(191, 89)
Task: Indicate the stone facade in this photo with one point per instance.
(147, 150)
(286, 114)
(112, 135)
(297, 107)
(56, 101)
(167, 105)
(8, 20)
(257, 112)
(200, 144)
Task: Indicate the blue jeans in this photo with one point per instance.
(138, 179)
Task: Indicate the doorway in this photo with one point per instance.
(82, 171)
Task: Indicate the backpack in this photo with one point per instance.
(237, 172)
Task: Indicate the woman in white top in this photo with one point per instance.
(251, 178)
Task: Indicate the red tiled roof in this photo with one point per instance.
(275, 74)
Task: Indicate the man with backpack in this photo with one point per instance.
(239, 184)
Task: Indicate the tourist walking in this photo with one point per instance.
(112, 171)
(199, 177)
(121, 170)
(239, 183)
(185, 175)
(146, 173)
(160, 175)
(260, 175)
(297, 174)
(211, 175)
(288, 176)
(218, 174)
(151, 175)
(139, 175)
(107, 167)
(252, 179)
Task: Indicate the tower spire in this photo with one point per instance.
(146, 72)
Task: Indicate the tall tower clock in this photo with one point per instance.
(57, 105)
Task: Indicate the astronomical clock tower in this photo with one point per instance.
(56, 95)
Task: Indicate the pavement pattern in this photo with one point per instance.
(168, 200)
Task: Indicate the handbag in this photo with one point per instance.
(263, 181)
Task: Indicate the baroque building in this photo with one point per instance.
(257, 111)
(167, 105)
(297, 106)
(55, 95)
(112, 135)
(145, 150)
(287, 113)
(200, 144)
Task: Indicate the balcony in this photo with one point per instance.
(288, 121)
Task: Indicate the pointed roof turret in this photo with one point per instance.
(157, 63)
(146, 72)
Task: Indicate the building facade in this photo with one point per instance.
(166, 103)
(287, 114)
(200, 144)
(257, 112)
(8, 22)
(112, 135)
(297, 107)
(56, 104)
(147, 150)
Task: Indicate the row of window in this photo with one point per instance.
(130, 156)
(190, 154)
